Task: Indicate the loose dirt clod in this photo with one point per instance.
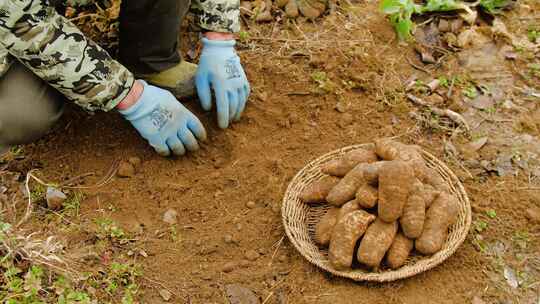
(170, 217)
(229, 266)
(238, 294)
(125, 169)
(165, 294)
(250, 204)
(251, 255)
(533, 214)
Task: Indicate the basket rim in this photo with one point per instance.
(389, 275)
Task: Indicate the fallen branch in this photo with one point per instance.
(453, 116)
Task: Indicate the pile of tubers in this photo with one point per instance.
(386, 199)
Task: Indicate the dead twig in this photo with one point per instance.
(454, 116)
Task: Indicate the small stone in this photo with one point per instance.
(198, 243)
(125, 170)
(228, 239)
(135, 161)
(55, 198)
(342, 106)
(291, 9)
(170, 217)
(250, 204)
(143, 253)
(165, 294)
(533, 214)
(238, 294)
(251, 255)
(229, 266)
(239, 226)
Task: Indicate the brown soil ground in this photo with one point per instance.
(285, 126)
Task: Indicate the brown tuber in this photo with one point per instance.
(345, 190)
(439, 217)
(388, 149)
(434, 179)
(345, 235)
(317, 192)
(395, 182)
(414, 212)
(347, 208)
(377, 239)
(399, 251)
(340, 167)
(323, 229)
(430, 194)
(367, 196)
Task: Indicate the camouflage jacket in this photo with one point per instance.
(58, 52)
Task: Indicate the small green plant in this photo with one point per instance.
(444, 81)
(324, 84)
(470, 91)
(491, 213)
(400, 12)
(493, 6)
(72, 204)
(107, 228)
(533, 34)
(243, 36)
(480, 226)
(37, 194)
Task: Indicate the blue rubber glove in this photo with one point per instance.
(165, 122)
(220, 69)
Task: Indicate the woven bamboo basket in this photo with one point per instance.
(299, 220)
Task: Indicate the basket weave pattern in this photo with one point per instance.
(299, 220)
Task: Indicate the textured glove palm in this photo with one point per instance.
(220, 69)
(165, 122)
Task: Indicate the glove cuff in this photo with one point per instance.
(137, 110)
(211, 44)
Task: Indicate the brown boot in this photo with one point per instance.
(179, 80)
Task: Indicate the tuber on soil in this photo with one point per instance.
(367, 196)
(395, 182)
(414, 212)
(340, 167)
(377, 239)
(317, 192)
(345, 235)
(439, 217)
(399, 251)
(323, 229)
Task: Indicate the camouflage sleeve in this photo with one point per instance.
(5, 61)
(217, 15)
(55, 50)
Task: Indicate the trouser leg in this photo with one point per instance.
(28, 107)
(149, 34)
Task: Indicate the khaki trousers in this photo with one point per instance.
(28, 107)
